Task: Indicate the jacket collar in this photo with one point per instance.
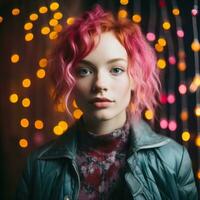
(142, 137)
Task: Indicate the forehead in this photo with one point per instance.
(107, 48)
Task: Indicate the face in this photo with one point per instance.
(103, 85)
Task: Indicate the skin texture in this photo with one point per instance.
(104, 73)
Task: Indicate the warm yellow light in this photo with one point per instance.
(196, 80)
(198, 174)
(182, 66)
(185, 136)
(136, 18)
(166, 25)
(1, 19)
(74, 104)
(53, 22)
(197, 111)
(14, 58)
(149, 114)
(24, 123)
(159, 48)
(53, 35)
(70, 20)
(28, 26)
(43, 62)
(122, 14)
(26, 102)
(60, 107)
(58, 28)
(63, 125)
(54, 6)
(176, 11)
(162, 42)
(77, 113)
(41, 73)
(39, 124)
(195, 46)
(26, 82)
(13, 98)
(197, 141)
(45, 30)
(23, 143)
(161, 63)
(29, 37)
(58, 15)
(15, 11)
(124, 2)
(33, 17)
(184, 115)
(58, 130)
(43, 9)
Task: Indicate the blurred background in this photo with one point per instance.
(28, 30)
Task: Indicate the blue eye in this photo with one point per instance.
(117, 70)
(84, 71)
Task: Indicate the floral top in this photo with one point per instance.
(100, 160)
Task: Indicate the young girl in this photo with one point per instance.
(106, 65)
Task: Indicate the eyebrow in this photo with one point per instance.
(109, 62)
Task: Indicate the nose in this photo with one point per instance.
(100, 82)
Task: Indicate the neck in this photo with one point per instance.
(103, 127)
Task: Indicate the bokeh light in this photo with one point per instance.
(43, 9)
(122, 13)
(163, 98)
(172, 125)
(26, 83)
(58, 28)
(162, 42)
(176, 11)
(14, 58)
(197, 141)
(150, 36)
(53, 22)
(148, 114)
(182, 89)
(63, 125)
(180, 33)
(24, 122)
(28, 26)
(184, 115)
(172, 60)
(137, 18)
(53, 35)
(181, 66)
(159, 48)
(198, 174)
(197, 111)
(166, 25)
(29, 37)
(45, 30)
(15, 11)
(77, 113)
(195, 45)
(70, 20)
(33, 17)
(54, 6)
(23, 143)
(58, 15)
(185, 136)
(171, 98)
(124, 2)
(26, 102)
(161, 63)
(194, 11)
(74, 104)
(39, 124)
(13, 98)
(163, 123)
(58, 130)
(43, 62)
(1, 19)
(41, 73)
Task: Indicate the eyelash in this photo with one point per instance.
(90, 70)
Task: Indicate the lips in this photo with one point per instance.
(97, 99)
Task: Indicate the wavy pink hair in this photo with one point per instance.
(77, 40)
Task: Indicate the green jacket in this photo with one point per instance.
(157, 168)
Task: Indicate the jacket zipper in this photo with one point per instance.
(76, 170)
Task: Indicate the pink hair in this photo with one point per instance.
(77, 40)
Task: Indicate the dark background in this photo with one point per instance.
(12, 34)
